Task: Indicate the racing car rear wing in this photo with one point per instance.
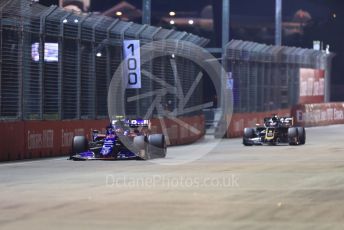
(133, 123)
(138, 123)
(287, 121)
(284, 121)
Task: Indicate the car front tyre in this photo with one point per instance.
(79, 145)
(248, 134)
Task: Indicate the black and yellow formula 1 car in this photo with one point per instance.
(276, 130)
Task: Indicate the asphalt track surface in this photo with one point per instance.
(232, 187)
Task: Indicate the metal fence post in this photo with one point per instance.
(78, 112)
(146, 11)
(20, 65)
(1, 57)
(41, 56)
(94, 76)
(328, 68)
(225, 23)
(278, 23)
(108, 57)
(60, 66)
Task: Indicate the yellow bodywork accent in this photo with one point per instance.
(269, 135)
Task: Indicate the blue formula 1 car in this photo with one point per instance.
(124, 139)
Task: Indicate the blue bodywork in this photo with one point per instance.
(110, 150)
(109, 146)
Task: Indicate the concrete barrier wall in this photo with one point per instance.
(184, 130)
(12, 138)
(319, 114)
(35, 139)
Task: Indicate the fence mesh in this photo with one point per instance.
(75, 85)
(268, 77)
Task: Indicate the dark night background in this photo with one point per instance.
(326, 24)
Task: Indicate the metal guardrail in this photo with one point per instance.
(75, 86)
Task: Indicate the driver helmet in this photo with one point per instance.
(274, 120)
(119, 124)
(119, 127)
(275, 117)
(109, 130)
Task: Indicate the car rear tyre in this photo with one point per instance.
(302, 135)
(293, 136)
(157, 146)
